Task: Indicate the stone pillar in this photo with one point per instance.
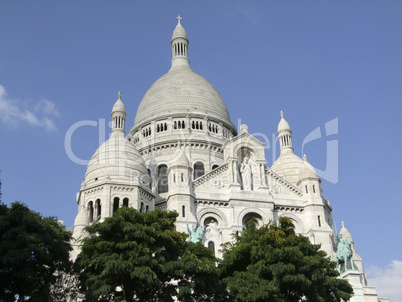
(354, 279)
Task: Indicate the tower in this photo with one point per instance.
(116, 176)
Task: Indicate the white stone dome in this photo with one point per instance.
(307, 171)
(288, 165)
(81, 219)
(179, 32)
(283, 124)
(119, 106)
(182, 160)
(116, 159)
(181, 91)
(345, 232)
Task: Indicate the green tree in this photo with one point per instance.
(198, 277)
(135, 256)
(272, 263)
(34, 251)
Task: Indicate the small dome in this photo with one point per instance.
(307, 171)
(288, 165)
(182, 160)
(119, 106)
(179, 32)
(118, 159)
(283, 124)
(345, 232)
(81, 219)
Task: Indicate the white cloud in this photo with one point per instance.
(14, 112)
(388, 280)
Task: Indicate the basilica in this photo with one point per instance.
(184, 154)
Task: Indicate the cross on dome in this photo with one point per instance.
(179, 19)
(119, 95)
(281, 114)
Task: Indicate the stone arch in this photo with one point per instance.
(211, 245)
(163, 179)
(245, 151)
(212, 213)
(198, 169)
(126, 202)
(91, 208)
(258, 214)
(115, 204)
(299, 227)
(98, 208)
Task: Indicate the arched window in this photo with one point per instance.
(98, 208)
(215, 166)
(91, 211)
(198, 169)
(147, 208)
(211, 245)
(183, 211)
(254, 217)
(125, 202)
(163, 185)
(141, 207)
(116, 201)
(149, 178)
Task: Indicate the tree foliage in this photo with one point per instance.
(34, 251)
(198, 275)
(135, 256)
(272, 263)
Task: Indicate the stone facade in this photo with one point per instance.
(184, 154)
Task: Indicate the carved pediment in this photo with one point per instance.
(278, 185)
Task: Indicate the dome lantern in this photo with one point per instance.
(179, 45)
(119, 116)
(285, 135)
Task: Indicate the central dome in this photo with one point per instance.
(181, 91)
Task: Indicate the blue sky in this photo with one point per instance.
(63, 62)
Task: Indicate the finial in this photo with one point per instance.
(305, 157)
(343, 224)
(179, 19)
(119, 95)
(281, 114)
